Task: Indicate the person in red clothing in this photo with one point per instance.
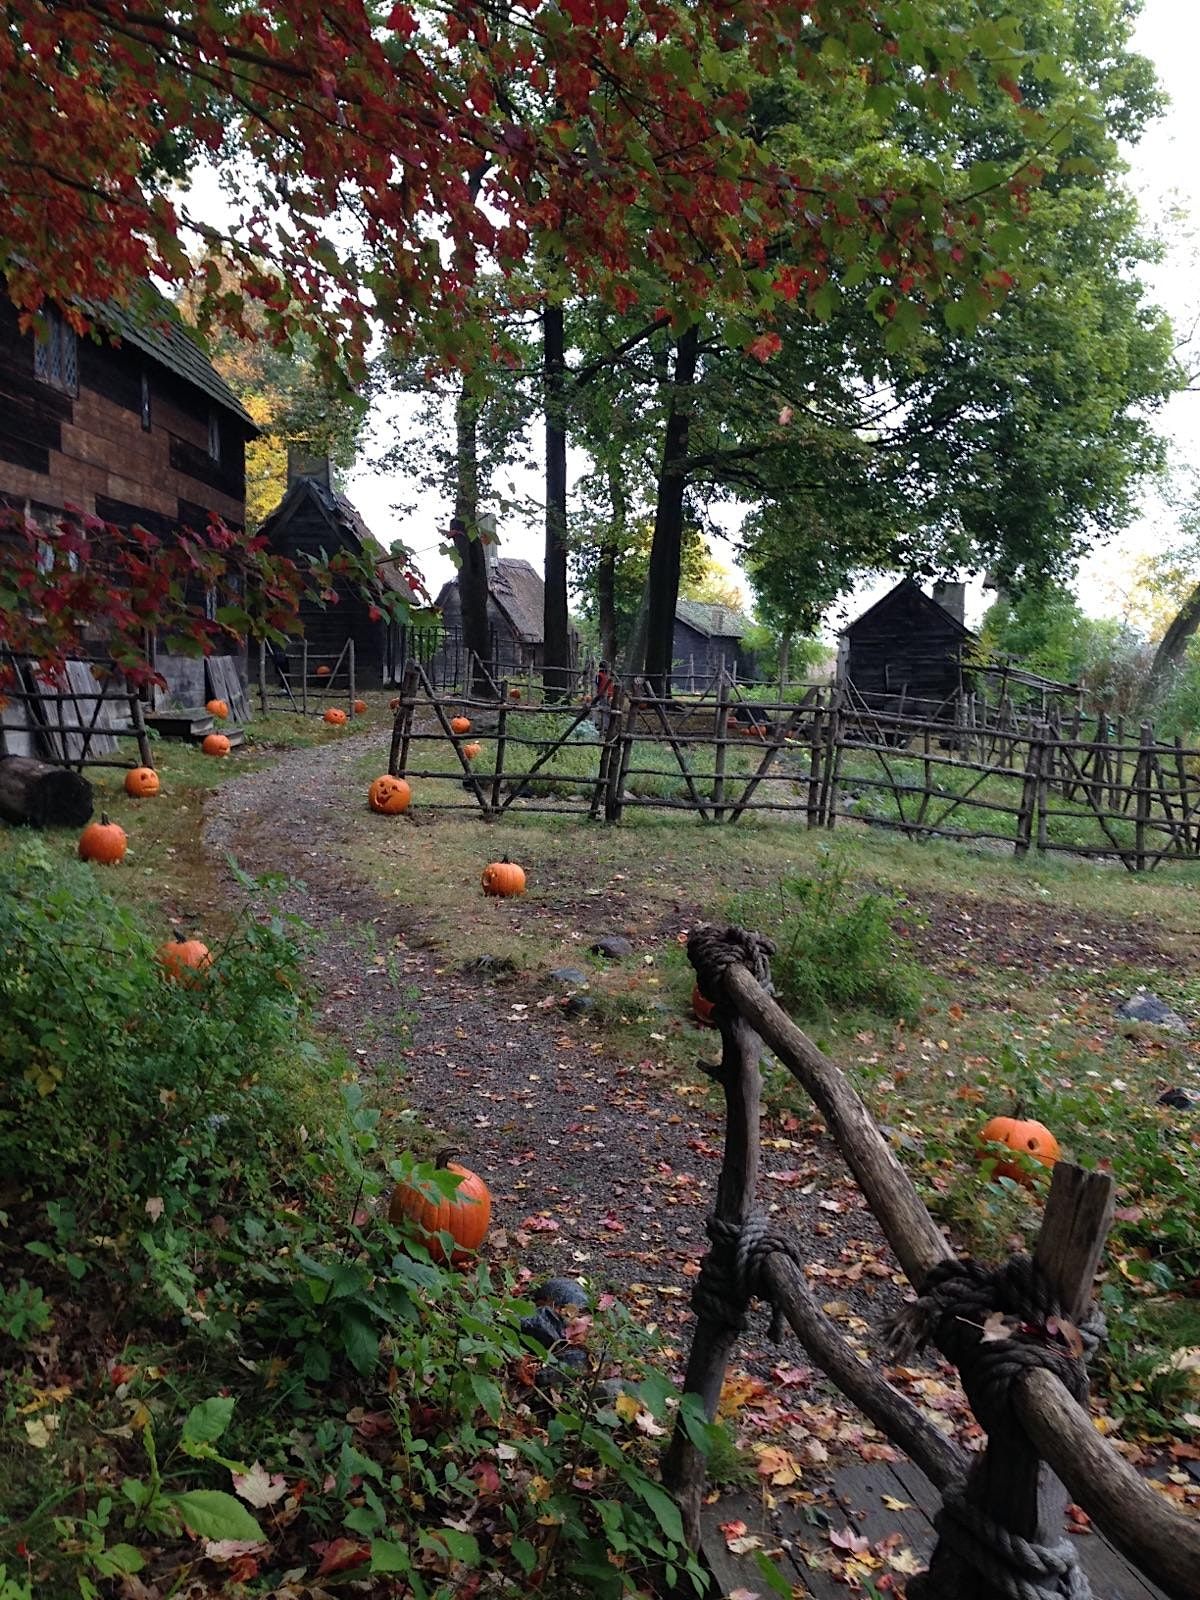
(605, 684)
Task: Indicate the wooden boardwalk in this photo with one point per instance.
(859, 1495)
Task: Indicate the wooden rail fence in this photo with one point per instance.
(1042, 1445)
(956, 770)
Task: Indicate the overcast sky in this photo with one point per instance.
(1164, 173)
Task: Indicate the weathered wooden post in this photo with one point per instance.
(1010, 1489)
(721, 725)
(402, 722)
(816, 744)
(262, 676)
(351, 695)
(1141, 781)
(501, 743)
(304, 677)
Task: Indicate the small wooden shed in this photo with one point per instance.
(516, 603)
(707, 639)
(312, 519)
(908, 647)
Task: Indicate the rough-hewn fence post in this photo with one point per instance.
(1015, 1331)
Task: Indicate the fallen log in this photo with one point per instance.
(38, 795)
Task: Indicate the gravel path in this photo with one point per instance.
(598, 1168)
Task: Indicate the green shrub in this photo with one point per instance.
(129, 1102)
(836, 951)
(306, 1371)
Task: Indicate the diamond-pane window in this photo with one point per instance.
(56, 354)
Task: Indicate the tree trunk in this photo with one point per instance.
(472, 573)
(785, 651)
(1173, 647)
(666, 548)
(556, 657)
(606, 570)
(41, 795)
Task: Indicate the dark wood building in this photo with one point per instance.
(144, 431)
(908, 647)
(515, 608)
(707, 640)
(314, 519)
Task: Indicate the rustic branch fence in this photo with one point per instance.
(961, 769)
(305, 681)
(1000, 1531)
(75, 719)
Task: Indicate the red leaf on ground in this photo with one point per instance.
(339, 1555)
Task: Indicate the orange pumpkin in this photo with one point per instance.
(703, 1008)
(514, 694)
(184, 960)
(394, 703)
(335, 717)
(215, 744)
(322, 672)
(360, 708)
(1032, 1139)
(389, 795)
(471, 751)
(104, 842)
(141, 782)
(460, 724)
(218, 709)
(465, 1216)
(503, 878)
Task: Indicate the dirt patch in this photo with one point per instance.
(962, 934)
(599, 1167)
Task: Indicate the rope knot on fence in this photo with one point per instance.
(712, 951)
(731, 1272)
(994, 1324)
(1019, 1568)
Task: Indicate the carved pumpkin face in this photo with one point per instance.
(1032, 1139)
(465, 1217)
(471, 751)
(514, 694)
(141, 783)
(218, 709)
(215, 744)
(389, 795)
(460, 724)
(335, 717)
(104, 842)
(360, 708)
(184, 960)
(503, 878)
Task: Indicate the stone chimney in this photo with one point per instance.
(485, 525)
(302, 463)
(952, 597)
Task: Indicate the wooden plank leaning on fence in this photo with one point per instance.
(1004, 1517)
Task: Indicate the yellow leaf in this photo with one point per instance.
(904, 1561)
(45, 1397)
(38, 1429)
(626, 1407)
(777, 1466)
(539, 1488)
(893, 1504)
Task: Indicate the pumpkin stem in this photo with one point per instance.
(444, 1157)
(104, 819)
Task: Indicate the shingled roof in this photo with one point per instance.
(343, 518)
(520, 593)
(714, 622)
(155, 328)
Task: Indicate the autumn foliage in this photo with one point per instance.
(86, 582)
(617, 138)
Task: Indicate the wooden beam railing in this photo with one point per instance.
(1016, 1484)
